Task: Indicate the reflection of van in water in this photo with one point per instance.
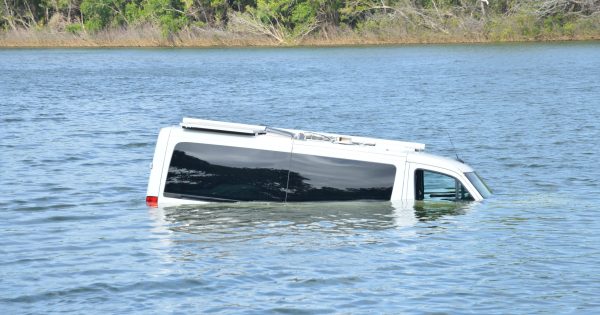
(209, 161)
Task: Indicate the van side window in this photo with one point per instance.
(431, 185)
(319, 178)
(221, 173)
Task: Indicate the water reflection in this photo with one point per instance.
(332, 217)
(434, 210)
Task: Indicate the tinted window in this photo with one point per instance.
(317, 178)
(214, 172)
(436, 186)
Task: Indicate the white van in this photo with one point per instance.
(203, 161)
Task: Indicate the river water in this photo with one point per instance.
(77, 134)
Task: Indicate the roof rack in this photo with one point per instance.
(255, 130)
(225, 127)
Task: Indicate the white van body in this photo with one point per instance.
(203, 161)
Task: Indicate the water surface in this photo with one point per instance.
(77, 133)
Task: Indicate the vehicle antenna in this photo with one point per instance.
(454, 148)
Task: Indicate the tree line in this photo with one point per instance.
(286, 20)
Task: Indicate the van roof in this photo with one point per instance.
(391, 146)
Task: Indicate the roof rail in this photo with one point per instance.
(220, 126)
(281, 132)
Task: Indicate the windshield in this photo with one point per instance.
(479, 184)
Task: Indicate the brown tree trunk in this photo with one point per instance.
(10, 17)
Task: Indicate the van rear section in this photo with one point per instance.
(157, 167)
(192, 167)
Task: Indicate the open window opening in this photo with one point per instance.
(430, 185)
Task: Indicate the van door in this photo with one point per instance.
(426, 182)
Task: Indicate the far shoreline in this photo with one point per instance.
(27, 39)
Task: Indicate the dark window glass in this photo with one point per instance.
(222, 173)
(431, 185)
(317, 178)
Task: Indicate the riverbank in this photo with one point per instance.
(300, 23)
(152, 37)
(153, 23)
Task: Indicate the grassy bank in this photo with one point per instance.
(147, 36)
(150, 36)
(217, 38)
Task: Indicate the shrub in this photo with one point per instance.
(74, 28)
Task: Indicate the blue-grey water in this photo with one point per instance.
(77, 134)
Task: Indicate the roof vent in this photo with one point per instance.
(221, 126)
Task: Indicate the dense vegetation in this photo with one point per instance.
(289, 21)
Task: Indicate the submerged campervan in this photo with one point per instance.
(203, 161)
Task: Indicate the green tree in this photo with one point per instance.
(99, 14)
(283, 20)
(168, 14)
